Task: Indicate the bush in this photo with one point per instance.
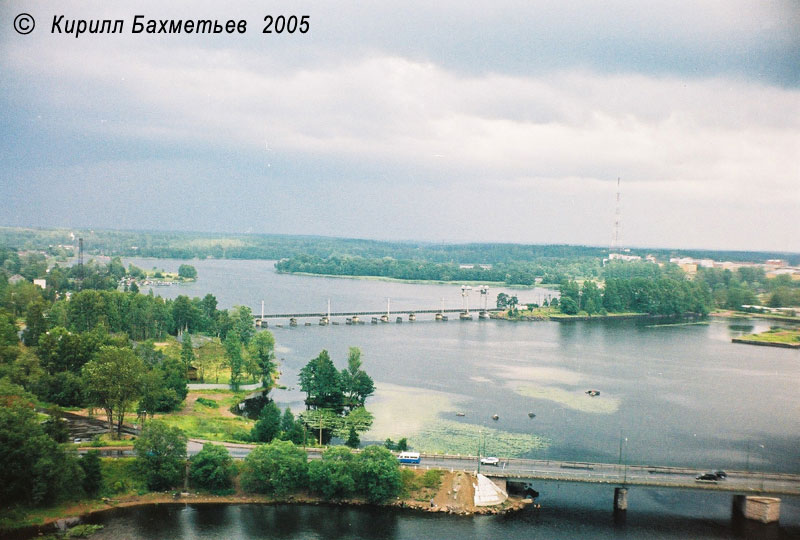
(208, 402)
(278, 468)
(377, 474)
(333, 475)
(212, 468)
(160, 455)
(93, 475)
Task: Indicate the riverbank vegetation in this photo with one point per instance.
(787, 337)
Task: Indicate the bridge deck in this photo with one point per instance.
(740, 482)
(376, 313)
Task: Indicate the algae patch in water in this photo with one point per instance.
(451, 437)
(416, 414)
(573, 399)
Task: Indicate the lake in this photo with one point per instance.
(670, 394)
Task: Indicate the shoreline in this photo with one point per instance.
(80, 512)
(425, 281)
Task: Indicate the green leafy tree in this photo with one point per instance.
(377, 474)
(591, 298)
(262, 350)
(402, 445)
(568, 306)
(233, 352)
(322, 423)
(35, 469)
(359, 419)
(56, 427)
(322, 384)
(291, 430)
(357, 386)
(332, 477)
(353, 440)
(268, 426)
(212, 468)
(112, 381)
(278, 468)
(92, 472)
(187, 352)
(161, 455)
(502, 301)
(187, 271)
(243, 324)
(35, 323)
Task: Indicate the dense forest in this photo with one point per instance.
(547, 269)
(186, 245)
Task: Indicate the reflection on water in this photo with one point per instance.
(568, 513)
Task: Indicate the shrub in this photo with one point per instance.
(212, 468)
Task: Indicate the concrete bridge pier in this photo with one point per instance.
(763, 509)
(620, 499)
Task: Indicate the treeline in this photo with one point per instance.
(185, 245)
(662, 296)
(279, 468)
(749, 286)
(513, 273)
(645, 287)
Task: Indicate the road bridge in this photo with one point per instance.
(360, 313)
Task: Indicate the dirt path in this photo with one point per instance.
(191, 398)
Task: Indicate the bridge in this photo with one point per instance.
(754, 493)
(360, 313)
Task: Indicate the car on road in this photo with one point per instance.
(712, 476)
(490, 461)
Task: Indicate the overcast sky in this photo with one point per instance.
(438, 121)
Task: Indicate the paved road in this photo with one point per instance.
(570, 471)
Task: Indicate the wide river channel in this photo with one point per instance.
(670, 394)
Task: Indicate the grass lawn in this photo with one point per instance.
(206, 415)
(776, 335)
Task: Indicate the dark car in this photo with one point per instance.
(707, 477)
(721, 475)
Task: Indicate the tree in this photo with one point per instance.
(377, 474)
(160, 455)
(233, 352)
(590, 297)
(357, 386)
(261, 349)
(290, 429)
(212, 468)
(92, 472)
(187, 352)
(322, 384)
(512, 304)
(35, 469)
(35, 323)
(243, 325)
(112, 381)
(333, 475)
(187, 271)
(353, 440)
(268, 425)
(568, 306)
(502, 301)
(278, 468)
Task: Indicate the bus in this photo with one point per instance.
(408, 457)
